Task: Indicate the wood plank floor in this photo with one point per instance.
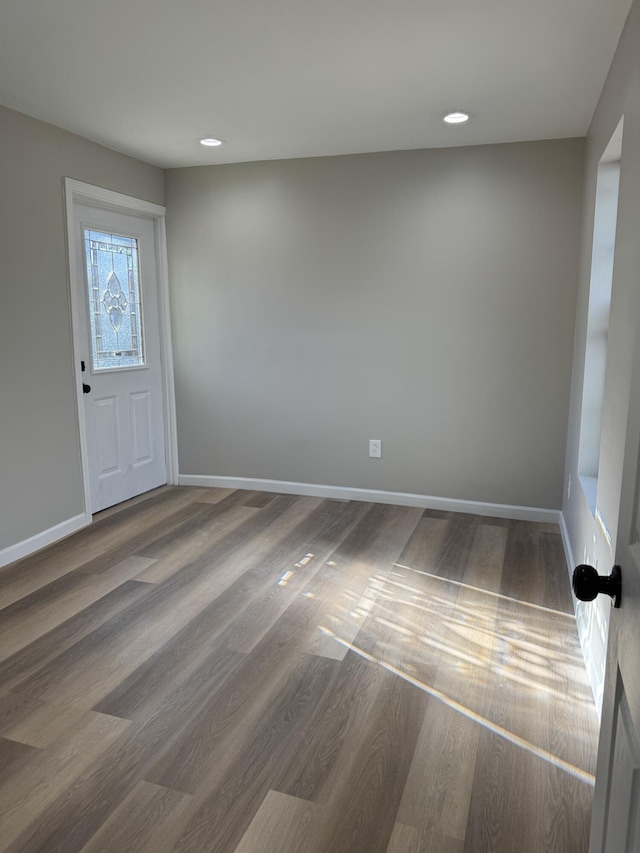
(209, 671)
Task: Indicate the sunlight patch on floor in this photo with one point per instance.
(500, 731)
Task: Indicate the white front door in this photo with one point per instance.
(119, 346)
(616, 805)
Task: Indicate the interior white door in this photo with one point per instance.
(616, 806)
(120, 351)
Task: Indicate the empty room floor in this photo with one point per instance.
(210, 671)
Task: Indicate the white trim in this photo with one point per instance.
(41, 540)
(99, 197)
(78, 192)
(593, 660)
(568, 550)
(166, 354)
(523, 513)
(70, 188)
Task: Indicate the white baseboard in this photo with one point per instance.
(568, 550)
(523, 513)
(594, 654)
(41, 540)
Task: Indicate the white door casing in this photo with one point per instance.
(127, 421)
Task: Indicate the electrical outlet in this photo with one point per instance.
(375, 447)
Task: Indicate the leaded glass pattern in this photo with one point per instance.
(115, 305)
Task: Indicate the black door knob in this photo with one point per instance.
(85, 388)
(587, 584)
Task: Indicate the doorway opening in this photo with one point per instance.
(602, 261)
(104, 398)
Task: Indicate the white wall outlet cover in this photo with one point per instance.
(375, 447)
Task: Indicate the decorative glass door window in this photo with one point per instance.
(115, 305)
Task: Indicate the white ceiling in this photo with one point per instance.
(299, 78)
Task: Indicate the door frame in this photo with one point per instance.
(78, 192)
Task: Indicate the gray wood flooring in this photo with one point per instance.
(209, 671)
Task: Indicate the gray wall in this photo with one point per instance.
(425, 298)
(621, 96)
(40, 476)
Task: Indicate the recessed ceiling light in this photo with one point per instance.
(211, 142)
(456, 117)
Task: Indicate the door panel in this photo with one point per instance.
(616, 804)
(624, 782)
(105, 429)
(120, 331)
(142, 441)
